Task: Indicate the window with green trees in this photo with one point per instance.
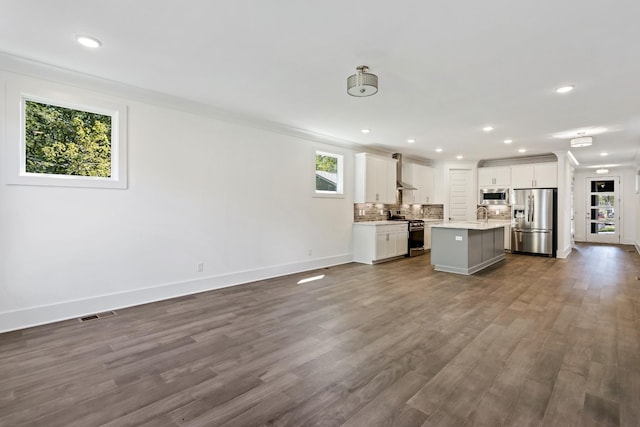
(63, 136)
(66, 141)
(329, 173)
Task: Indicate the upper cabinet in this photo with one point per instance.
(421, 177)
(499, 176)
(536, 175)
(375, 179)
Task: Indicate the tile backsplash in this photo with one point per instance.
(380, 212)
(502, 212)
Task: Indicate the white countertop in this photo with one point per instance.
(386, 222)
(473, 225)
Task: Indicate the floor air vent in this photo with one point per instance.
(97, 316)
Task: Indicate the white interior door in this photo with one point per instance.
(459, 196)
(603, 210)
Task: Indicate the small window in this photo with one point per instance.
(66, 141)
(329, 174)
(62, 136)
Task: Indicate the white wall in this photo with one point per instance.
(237, 198)
(440, 187)
(629, 212)
(637, 198)
(565, 241)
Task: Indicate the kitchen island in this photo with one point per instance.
(467, 247)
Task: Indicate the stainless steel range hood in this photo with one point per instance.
(400, 184)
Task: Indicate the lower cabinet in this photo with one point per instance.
(373, 241)
(507, 238)
(427, 233)
(402, 241)
(427, 237)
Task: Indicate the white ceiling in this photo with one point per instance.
(445, 68)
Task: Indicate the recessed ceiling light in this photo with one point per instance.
(602, 171)
(487, 128)
(508, 141)
(603, 154)
(88, 41)
(438, 150)
(522, 150)
(565, 89)
(411, 141)
(365, 130)
(458, 157)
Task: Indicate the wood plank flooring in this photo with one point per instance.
(528, 342)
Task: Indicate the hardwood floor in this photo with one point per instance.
(528, 342)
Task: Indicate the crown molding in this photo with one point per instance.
(40, 70)
(542, 158)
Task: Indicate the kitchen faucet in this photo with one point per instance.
(486, 213)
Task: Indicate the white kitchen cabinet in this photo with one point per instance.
(402, 240)
(423, 180)
(375, 179)
(507, 238)
(546, 175)
(385, 245)
(379, 241)
(497, 177)
(427, 233)
(536, 175)
(421, 177)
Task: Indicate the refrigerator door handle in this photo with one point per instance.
(533, 207)
(517, 235)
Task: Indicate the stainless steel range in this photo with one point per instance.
(416, 237)
(415, 234)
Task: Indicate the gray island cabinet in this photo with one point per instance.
(466, 247)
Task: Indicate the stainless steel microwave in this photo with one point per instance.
(494, 196)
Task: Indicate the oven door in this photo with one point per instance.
(416, 241)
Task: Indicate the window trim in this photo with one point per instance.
(68, 97)
(339, 193)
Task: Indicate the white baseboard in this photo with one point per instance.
(34, 316)
(563, 253)
(637, 245)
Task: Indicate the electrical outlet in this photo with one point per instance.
(459, 238)
(200, 267)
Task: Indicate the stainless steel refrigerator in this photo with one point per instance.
(535, 216)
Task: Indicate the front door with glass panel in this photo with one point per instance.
(603, 210)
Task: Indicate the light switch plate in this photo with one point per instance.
(459, 238)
